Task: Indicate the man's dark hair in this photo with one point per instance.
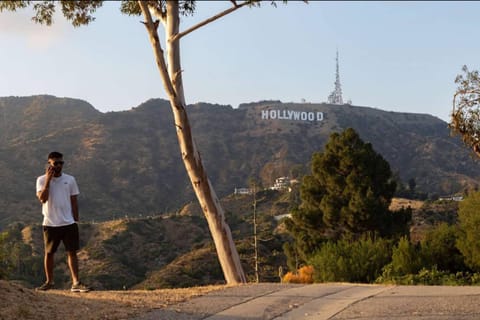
(55, 155)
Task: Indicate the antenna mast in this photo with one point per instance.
(336, 96)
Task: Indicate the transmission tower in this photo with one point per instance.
(336, 96)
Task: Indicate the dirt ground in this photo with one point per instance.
(18, 302)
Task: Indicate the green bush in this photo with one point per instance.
(430, 277)
(351, 261)
(17, 261)
(439, 249)
(469, 224)
(405, 258)
(5, 263)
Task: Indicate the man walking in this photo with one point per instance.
(58, 193)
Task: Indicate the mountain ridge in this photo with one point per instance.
(128, 162)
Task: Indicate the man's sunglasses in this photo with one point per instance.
(56, 163)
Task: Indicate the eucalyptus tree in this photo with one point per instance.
(465, 118)
(168, 60)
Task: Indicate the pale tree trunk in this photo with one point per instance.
(172, 80)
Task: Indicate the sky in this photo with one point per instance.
(394, 56)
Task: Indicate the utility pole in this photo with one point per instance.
(4, 123)
(255, 243)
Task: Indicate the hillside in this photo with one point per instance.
(128, 163)
(158, 251)
(176, 250)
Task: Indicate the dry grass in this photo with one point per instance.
(17, 302)
(398, 203)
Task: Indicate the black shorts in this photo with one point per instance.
(52, 236)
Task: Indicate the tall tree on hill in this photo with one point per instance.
(347, 195)
(468, 225)
(169, 65)
(465, 118)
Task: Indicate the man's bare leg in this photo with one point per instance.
(73, 265)
(48, 265)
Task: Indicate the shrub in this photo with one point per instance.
(469, 237)
(351, 261)
(304, 275)
(405, 258)
(439, 249)
(430, 277)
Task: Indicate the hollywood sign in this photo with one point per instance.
(292, 115)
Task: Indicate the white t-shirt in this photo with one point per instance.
(57, 210)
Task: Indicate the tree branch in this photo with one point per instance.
(461, 125)
(159, 14)
(173, 51)
(209, 20)
(463, 93)
(159, 55)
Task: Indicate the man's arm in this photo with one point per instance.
(42, 195)
(74, 201)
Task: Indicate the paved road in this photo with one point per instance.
(328, 301)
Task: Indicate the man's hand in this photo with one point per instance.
(43, 194)
(49, 172)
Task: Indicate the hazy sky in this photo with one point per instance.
(396, 56)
